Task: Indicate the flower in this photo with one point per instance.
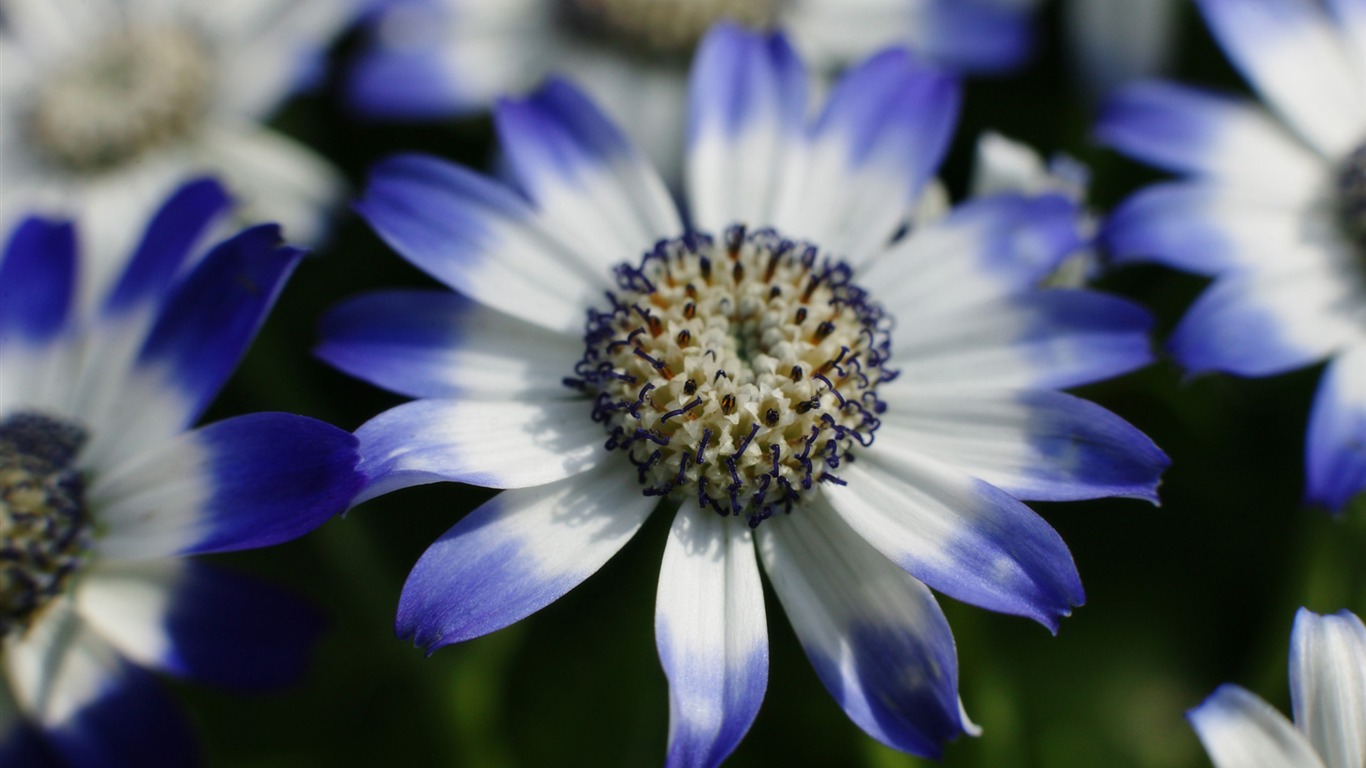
(1274, 208)
(107, 106)
(433, 58)
(1113, 42)
(746, 372)
(1327, 692)
(103, 489)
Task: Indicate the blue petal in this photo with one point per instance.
(516, 554)
(410, 83)
(740, 77)
(978, 35)
(37, 281)
(1175, 127)
(1029, 236)
(1163, 223)
(174, 229)
(1336, 450)
(24, 747)
(230, 629)
(557, 132)
(132, 724)
(213, 314)
(273, 477)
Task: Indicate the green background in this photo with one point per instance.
(1181, 598)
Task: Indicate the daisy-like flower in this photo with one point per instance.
(1327, 695)
(1273, 207)
(107, 105)
(782, 379)
(435, 58)
(103, 489)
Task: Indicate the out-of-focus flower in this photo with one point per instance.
(746, 371)
(441, 57)
(1114, 42)
(107, 105)
(104, 487)
(1327, 695)
(1274, 208)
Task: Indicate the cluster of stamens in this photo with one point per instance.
(738, 371)
(1351, 198)
(141, 89)
(661, 27)
(44, 531)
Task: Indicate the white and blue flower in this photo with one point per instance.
(1273, 206)
(105, 487)
(1327, 696)
(435, 58)
(860, 415)
(107, 105)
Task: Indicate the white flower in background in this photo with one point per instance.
(1327, 696)
(108, 105)
(435, 58)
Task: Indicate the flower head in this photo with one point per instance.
(789, 382)
(108, 105)
(1328, 695)
(104, 487)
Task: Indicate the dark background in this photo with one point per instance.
(1181, 598)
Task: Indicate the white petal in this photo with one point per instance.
(1328, 685)
(1240, 730)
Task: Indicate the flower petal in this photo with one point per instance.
(201, 622)
(879, 140)
(496, 444)
(1328, 685)
(480, 238)
(248, 481)
(441, 344)
(1290, 52)
(1335, 454)
(712, 638)
(1240, 730)
(94, 707)
(961, 536)
(1188, 130)
(37, 282)
(517, 553)
(874, 635)
(1032, 444)
(747, 105)
(583, 174)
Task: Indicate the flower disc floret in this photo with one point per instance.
(142, 89)
(661, 27)
(1351, 192)
(45, 532)
(741, 370)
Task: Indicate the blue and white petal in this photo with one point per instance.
(747, 113)
(880, 138)
(1263, 323)
(37, 294)
(481, 239)
(1291, 53)
(583, 175)
(1335, 454)
(1189, 130)
(200, 622)
(1033, 444)
(875, 636)
(1239, 730)
(1328, 685)
(94, 707)
(493, 443)
(712, 637)
(517, 553)
(441, 344)
(247, 481)
(959, 535)
(20, 742)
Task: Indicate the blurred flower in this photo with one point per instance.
(441, 57)
(1115, 42)
(742, 373)
(1327, 693)
(1275, 211)
(103, 489)
(107, 105)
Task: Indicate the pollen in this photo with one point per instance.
(660, 27)
(45, 533)
(738, 371)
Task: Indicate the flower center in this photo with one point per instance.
(44, 530)
(1351, 196)
(740, 370)
(660, 27)
(141, 89)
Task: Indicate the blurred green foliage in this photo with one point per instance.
(1181, 598)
